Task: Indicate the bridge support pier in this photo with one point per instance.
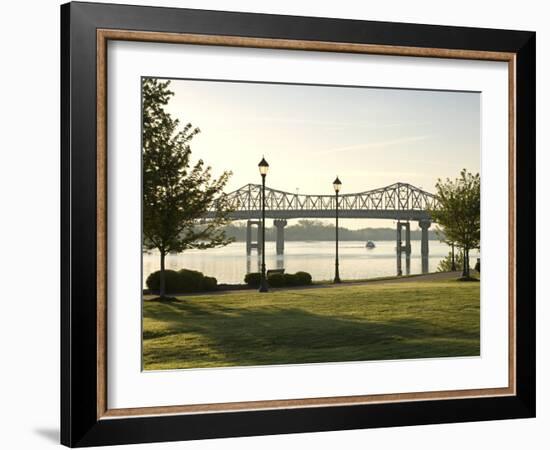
(280, 225)
(249, 244)
(250, 262)
(424, 249)
(403, 248)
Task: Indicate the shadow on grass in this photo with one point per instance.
(189, 334)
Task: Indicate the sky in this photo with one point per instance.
(368, 137)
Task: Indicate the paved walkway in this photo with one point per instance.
(437, 276)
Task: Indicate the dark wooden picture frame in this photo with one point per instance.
(85, 29)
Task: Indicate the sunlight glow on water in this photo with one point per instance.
(230, 264)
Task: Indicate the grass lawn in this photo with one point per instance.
(349, 323)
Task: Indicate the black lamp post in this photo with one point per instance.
(337, 185)
(264, 167)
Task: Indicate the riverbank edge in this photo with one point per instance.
(229, 288)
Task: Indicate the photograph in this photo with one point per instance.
(304, 224)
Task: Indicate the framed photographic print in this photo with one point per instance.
(276, 224)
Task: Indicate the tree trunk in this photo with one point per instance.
(463, 261)
(162, 292)
(453, 262)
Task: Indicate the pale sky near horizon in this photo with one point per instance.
(369, 137)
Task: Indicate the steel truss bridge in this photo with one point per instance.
(399, 201)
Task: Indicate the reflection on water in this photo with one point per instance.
(230, 264)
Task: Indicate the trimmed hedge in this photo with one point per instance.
(171, 278)
(210, 283)
(279, 279)
(304, 278)
(290, 279)
(253, 279)
(276, 280)
(183, 280)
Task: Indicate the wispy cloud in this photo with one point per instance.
(376, 145)
(296, 120)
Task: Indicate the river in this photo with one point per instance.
(230, 264)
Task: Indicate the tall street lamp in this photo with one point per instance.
(264, 167)
(453, 264)
(337, 185)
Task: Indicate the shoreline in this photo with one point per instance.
(229, 288)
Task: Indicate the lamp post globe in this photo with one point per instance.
(337, 184)
(263, 166)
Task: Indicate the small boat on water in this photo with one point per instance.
(370, 244)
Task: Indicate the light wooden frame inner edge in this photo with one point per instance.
(103, 36)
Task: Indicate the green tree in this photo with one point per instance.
(446, 264)
(457, 213)
(176, 194)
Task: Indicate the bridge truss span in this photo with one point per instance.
(399, 201)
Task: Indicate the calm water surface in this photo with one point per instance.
(230, 264)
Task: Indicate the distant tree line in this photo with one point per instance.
(315, 230)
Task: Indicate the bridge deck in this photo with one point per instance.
(414, 215)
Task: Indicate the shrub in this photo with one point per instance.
(303, 278)
(445, 265)
(253, 279)
(290, 279)
(209, 284)
(183, 280)
(171, 279)
(277, 280)
(190, 280)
